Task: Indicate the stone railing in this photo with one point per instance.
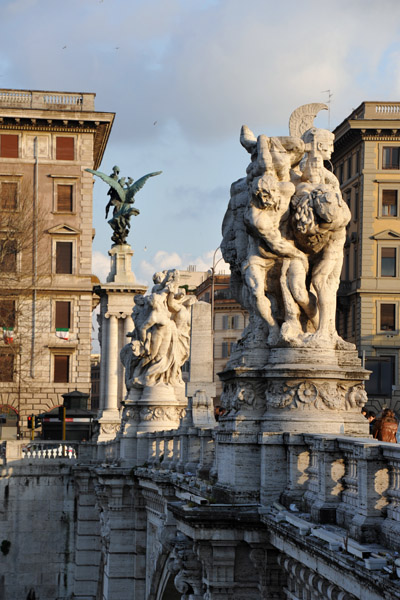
(185, 450)
(38, 450)
(46, 100)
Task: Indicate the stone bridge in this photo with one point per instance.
(318, 519)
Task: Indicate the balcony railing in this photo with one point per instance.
(45, 100)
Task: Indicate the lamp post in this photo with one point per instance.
(212, 303)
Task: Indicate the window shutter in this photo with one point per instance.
(65, 148)
(9, 146)
(64, 198)
(61, 368)
(8, 197)
(6, 366)
(225, 324)
(8, 256)
(64, 257)
(63, 315)
(7, 313)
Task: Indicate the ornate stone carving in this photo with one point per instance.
(332, 395)
(283, 235)
(109, 428)
(187, 569)
(242, 397)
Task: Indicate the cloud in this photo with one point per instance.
(100, 265)
(164, 260)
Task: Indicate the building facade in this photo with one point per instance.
(367, 163)
(229, 320)
(47, 140)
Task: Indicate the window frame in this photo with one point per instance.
(391, 188)
(3, 135)
(71, 181)
(58, 150)
(6, 351)
(381, 247)
(56, 241)
(391, 167)
(379, 330)
(58, 326)
(11, 179)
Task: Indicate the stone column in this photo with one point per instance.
(110, 401)
(116, 303)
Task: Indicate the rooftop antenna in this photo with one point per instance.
(329, 106)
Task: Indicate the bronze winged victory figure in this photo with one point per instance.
(122, 198)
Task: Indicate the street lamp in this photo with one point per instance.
(212, 288)
(212, 304)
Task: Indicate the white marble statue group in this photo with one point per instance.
(161, 338)
(284, 232)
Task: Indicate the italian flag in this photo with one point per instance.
(8, 334)
(62, 333)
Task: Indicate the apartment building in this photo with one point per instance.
(366, 161)
(47, 140)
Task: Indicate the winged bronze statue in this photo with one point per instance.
(122, 197)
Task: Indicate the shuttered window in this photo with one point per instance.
(8, 256)
(7, 313)
(64, 198)
(8, 146)
(63, 314)
(8, 195)
(61, 368)
(64, 257)
(65, 148)
(6, 365)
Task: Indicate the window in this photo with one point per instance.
(355, 262)
(61, 368)
(387, 317)
(348, 199)
(356, 205)
(63, 314)
(64, 257)
(388, 262)
(382, 377)
(227, 349)
(8, 256)
(391, 157)
(8, 146)
(7, 313)
(358, 161)
(6, 365)
(347, 266)
(8, 195)
(230, 322)
(341, 174)
(389, 203)
(349, 167)
(65, 148)
(64, 198)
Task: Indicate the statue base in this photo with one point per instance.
(148, 409)
(299, 390)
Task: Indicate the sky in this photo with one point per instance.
(183, 76)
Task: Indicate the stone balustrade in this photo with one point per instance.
(46, 100)
(353, 483)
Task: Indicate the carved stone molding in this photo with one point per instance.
(187, 569)
(320, 395)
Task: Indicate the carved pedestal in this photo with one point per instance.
(299, 390)
(146, 410)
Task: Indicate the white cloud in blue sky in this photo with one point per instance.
(183, 76)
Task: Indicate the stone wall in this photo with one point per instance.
(37, 528)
